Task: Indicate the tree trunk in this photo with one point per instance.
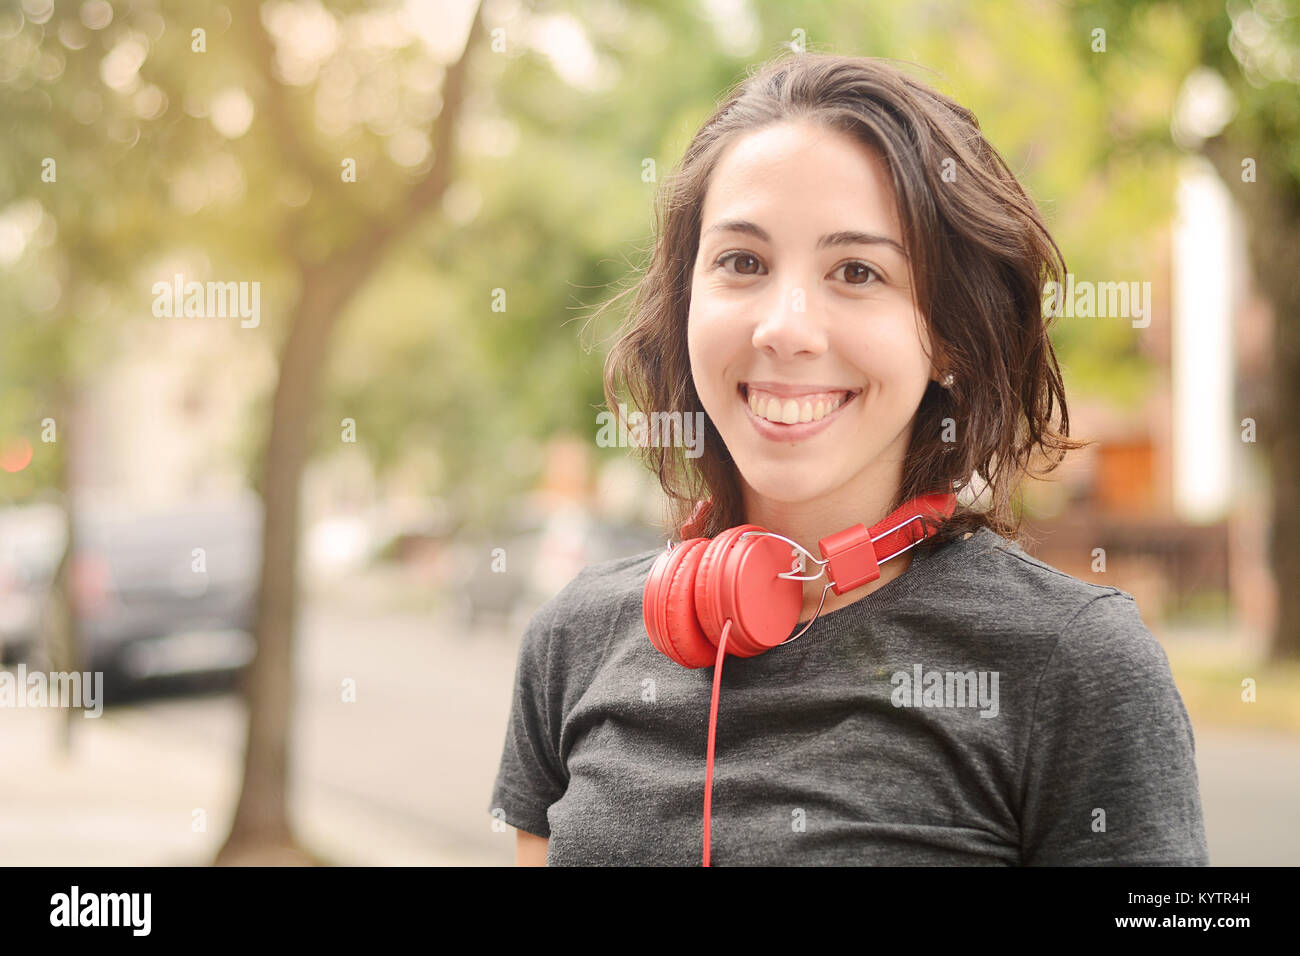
(1280, 277)
(1272, 210)
(261, 826)
(1284, 543)
(260, 832)
(59, 631)
(59, 634)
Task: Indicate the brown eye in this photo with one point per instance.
(751, 264)
(858, 273)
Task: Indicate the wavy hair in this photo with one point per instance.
(980, 256)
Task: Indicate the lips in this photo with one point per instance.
(796, 391)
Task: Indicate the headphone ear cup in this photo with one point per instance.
(708, 581)
(738, 580)
(668, 606)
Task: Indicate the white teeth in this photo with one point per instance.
(790, 411)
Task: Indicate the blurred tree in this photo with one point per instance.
(333, 245)
(68, 242)
(1243, 60)
(137, 133)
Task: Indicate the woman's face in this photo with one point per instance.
(806, 346)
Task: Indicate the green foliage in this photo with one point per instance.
(547, 204)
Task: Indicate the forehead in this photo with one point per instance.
(802, 176)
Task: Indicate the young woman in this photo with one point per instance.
(847, 282)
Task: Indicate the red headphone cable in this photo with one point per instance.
(713, 726)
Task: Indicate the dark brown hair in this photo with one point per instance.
(979, 253)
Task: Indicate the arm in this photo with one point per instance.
(531, 775)
(1110, 773)
(530, 849)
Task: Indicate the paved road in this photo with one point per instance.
(403, 775)
(1250, 794)
(417, 750)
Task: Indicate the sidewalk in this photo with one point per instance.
(112, 803)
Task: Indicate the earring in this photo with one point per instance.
(947, 380)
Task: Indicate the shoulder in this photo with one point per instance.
(606, 584)
(600, 592)
(995, 579)
(1097, 650)
(1105, 652)
(571, 632)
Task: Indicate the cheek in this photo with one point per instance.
(694, 346)
(713, 320)
(900, 342)
(699, 353)
(706, 343)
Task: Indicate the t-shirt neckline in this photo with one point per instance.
(926, 569)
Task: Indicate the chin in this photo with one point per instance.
(786, 483)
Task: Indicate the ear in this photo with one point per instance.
(936, 368)
(937, 363)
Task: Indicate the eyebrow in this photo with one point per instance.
(847, 237)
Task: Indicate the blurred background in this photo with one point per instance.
(372, 452)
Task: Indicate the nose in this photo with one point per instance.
(787, 329)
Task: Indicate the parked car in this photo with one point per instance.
(159, 593)
(31, 543)
(165, 594)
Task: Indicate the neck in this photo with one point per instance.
(866, 501)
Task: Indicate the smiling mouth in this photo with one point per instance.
(795, 409)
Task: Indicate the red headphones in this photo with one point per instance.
(741, 592)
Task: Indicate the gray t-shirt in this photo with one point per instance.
(981, 708)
